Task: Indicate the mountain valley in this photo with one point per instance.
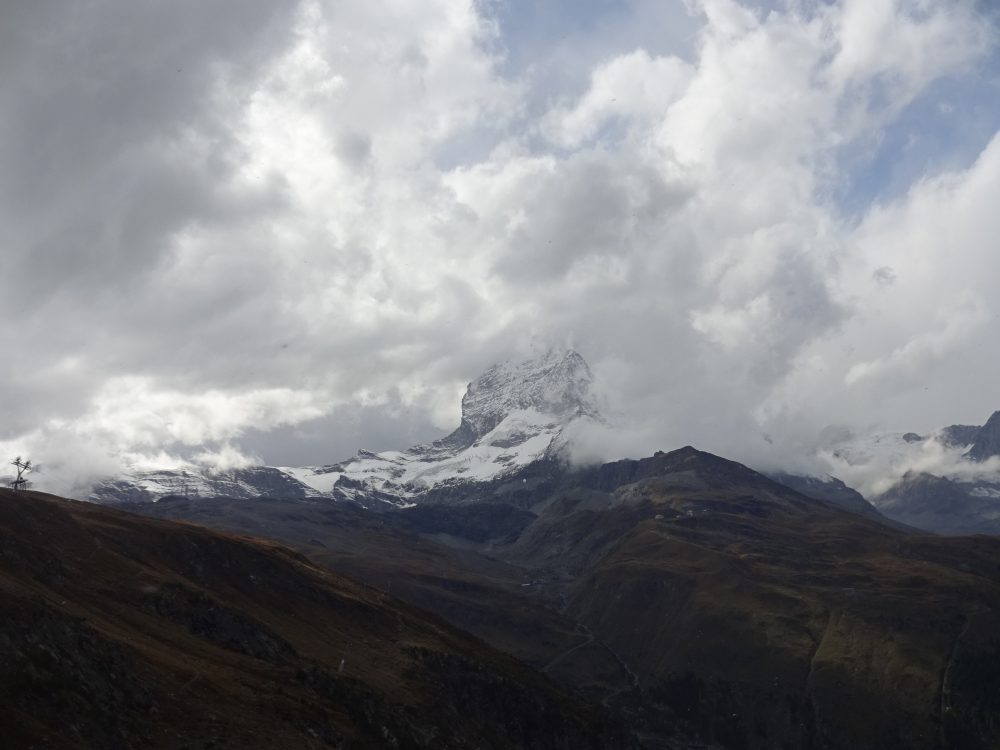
(680, 600)
(697, 598)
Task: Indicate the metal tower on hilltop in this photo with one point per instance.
(23, 467)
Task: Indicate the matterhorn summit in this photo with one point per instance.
(556, 384)
(513, 415)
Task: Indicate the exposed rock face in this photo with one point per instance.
(959, 435)
(987, 440)
(557, 383)
(513, 416)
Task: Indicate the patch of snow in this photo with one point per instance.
(521, 438)
(322, 482)
(985, 492)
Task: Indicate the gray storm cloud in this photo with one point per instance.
(248, 229)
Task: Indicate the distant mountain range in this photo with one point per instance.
(679, 600)
(512, 435)
(957, 490)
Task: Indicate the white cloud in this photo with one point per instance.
(916, 354)
(889, 459)
(885, 43)
(632, 87)
(364, 210)
(226, 458)
(958, 325)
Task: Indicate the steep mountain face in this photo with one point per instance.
(125, 632)
(704, 602)
(959, 435)
(513, 416)
(557, 384)
(986, 442)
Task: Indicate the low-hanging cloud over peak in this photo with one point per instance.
(226, 223)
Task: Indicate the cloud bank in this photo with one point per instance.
(229, 227)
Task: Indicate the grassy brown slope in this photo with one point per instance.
(119, 631)
(749, 615)
(495, 601)
(764, 621)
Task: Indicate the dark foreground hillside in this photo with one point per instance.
(762, 618)
(697, 598)
(118, 631)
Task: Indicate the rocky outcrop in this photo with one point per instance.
(557, 383)
(959, 435)
(987, 441)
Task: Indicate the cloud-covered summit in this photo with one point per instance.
(241, 227)
(556, 382)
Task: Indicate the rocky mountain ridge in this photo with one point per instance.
(986, 442)
(513, 415)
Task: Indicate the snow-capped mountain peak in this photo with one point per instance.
(556, 383)
(512, 415)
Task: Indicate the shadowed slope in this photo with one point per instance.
(761, 618)
(430, 556)
(120, 631)
(697, 597)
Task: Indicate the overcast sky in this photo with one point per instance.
(287, 230)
